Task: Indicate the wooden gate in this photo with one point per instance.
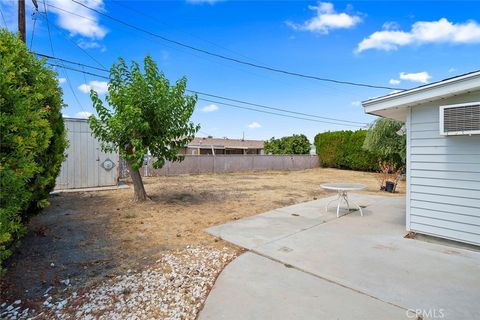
(86, 165)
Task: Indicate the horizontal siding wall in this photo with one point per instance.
(444, 176)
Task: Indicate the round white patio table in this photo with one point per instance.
(342, 190)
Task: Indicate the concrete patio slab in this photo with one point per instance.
(258, 230)
(366, 254)
(254, 287)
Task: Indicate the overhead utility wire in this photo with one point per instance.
(272, 108)
(156, 19)
(33, 29)
(278, 114)
(224, 103)
(217, 55)
(70, 61)
(77, 70)
(53, 53)
(175, 47)
(203, 93)
(3, 18)
(78, 46)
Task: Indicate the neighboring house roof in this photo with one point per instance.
(225, 143)
(394, 105)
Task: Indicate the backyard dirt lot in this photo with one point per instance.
(84, 239)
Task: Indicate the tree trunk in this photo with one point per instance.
(139, 193)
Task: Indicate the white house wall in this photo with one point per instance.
(444, 176)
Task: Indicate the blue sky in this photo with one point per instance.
(397, 44)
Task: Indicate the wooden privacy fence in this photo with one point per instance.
(198, 164)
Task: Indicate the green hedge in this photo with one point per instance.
(344, 149)
(32, 137)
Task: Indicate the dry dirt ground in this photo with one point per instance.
(90, 237)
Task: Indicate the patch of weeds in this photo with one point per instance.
(410, 235)
(130, 214)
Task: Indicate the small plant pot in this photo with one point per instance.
(389, 186)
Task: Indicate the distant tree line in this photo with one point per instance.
(295, 144)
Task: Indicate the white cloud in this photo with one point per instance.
(85, 44)
(10, 9)
(421, 77)
(452, 69)
(88, 27)
(254, 125)
(356, 103)
(61, 80)
(202, 1)
(394, 81)
(101, 87)
(385, 40)
(422, 32)
(394, 91)
(210, 108)
(326, 19)
(83, 114)
(88, 44)
(391, 25)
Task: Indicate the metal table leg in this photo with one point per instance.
(336, 199)
(343, 196)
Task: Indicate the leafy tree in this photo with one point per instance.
(296, 144)
(145, 115)
(32, 140)
(383, 139)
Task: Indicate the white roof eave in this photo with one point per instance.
(439, 90)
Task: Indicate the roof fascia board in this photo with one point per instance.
(425, 93)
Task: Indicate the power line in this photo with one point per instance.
(48, 28)
(53, 53)
(3, 18)
(208, 134)
(154, 18)
(277, 114)
(273, 108)
(33, 29)
(79, 47)
(213, 60)
(356, 123)
(220, 56)
(77, 70)
(72, 62)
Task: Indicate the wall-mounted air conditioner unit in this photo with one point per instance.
(460, 119)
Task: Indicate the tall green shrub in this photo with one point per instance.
(32, 139)
(344, 150)
(296, 144)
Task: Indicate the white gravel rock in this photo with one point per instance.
(175, 288)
